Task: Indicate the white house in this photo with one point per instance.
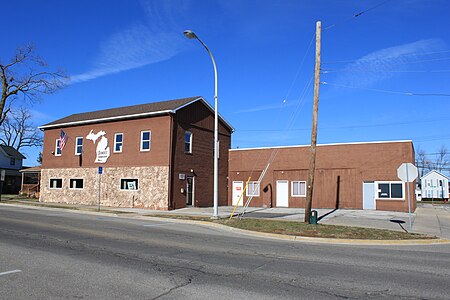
(434, 185)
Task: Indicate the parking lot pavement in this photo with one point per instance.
(433, 220)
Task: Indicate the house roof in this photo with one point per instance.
(11, 152)
(128, 112)
(36, 169)
(434, 171)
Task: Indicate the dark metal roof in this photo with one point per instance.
(122, 112)
(12, 152)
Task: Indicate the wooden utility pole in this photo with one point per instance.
(312, 159)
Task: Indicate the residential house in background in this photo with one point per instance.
(11, 161)
(157, 155)
(434, 186)
(351, 176)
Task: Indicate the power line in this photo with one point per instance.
(326, 71)
(401, 63)
(357, 15)
(348, 126)
(387, 91)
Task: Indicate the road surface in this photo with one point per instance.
(61, 254)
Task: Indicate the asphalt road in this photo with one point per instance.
(57, 254)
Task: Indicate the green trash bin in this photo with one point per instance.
(313, 217)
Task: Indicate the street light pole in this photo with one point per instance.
(191, 35)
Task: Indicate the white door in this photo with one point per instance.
(369, 195)
(282, 193)
(238, 188)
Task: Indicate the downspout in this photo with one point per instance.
(170, 187)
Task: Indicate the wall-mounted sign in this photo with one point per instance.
(103, 151)
(182, 176)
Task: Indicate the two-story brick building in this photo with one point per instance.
(157, 155)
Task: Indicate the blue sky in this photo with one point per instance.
(122, 53)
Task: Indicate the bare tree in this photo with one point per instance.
(26, 75)
(422, 162)
(442, 159)
(18, 131)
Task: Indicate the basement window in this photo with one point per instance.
(55, 183)
(76, 184)
(129, 184)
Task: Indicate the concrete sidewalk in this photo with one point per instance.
(427, 219)
(433, 220)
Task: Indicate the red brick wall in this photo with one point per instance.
(348, 164)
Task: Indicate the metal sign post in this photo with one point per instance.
(407, 172)
(100, 172)
(2, 178)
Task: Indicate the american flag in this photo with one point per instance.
(62, 140)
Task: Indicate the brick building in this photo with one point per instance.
(353, 176)
(157, 155)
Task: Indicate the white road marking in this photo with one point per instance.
(10, 272)
(154, 225)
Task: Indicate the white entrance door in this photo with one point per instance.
(282, 193)
(238, 188)
(369, 195)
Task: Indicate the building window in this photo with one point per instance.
(12, 161)
(78, 145)
(252, 189)
(55, 183)
(188, 142)
(57, 148)
(77, 183)
(298, 188)
(118, 142)
(390, 190)
(145, 140)
(129, 184)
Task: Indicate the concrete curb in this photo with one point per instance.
(316, 240)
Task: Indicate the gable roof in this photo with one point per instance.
(11, 152)
(434, 171)
(129, 112)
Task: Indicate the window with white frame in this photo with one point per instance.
(298, 188)
(252, 189)
(146, 137)
(188, 142)
(390, 190)
(55, 183)
(78, 145)
(118, 142)
(130, 184)
(76, 183)
(57, 148)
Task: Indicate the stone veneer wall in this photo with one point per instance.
(152, 191)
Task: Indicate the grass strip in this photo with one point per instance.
(307, 230)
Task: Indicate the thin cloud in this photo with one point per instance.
(264, 108)
(382, 64)
(138, 45)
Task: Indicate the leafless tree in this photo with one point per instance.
(26, 75)
(18, 131)
(422, 162)
(442, 159)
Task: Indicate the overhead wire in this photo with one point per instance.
(357, 15)
(387, 91)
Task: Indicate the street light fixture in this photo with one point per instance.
(191, 35)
